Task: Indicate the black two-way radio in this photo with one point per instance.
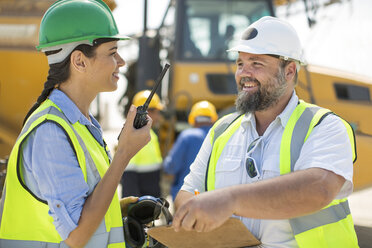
(140, 119)
(141, 116)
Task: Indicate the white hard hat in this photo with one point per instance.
(271, 35)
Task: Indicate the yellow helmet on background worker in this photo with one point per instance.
(141, 97)
(202, 111)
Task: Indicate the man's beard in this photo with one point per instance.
(266, 96)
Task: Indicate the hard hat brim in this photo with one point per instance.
(89, 38)
(246, 49)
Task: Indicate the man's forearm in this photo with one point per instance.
(283, 197)
(287, 196)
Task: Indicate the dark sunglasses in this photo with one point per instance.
(250, 166)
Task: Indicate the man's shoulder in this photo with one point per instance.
(226, 120)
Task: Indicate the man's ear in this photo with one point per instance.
(78, 61)
(290, 71)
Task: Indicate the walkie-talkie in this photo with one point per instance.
(141, 116)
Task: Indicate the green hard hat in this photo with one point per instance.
(68, 21)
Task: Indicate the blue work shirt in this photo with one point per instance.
(51, 169)
(182, 154)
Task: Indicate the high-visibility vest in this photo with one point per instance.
(331, 226)
(148, 158)
(25, 222)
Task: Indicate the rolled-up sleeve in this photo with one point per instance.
(328, 147)
(53, 173)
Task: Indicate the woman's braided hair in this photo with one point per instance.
(60, 72)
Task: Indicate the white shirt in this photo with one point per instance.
(328, 147)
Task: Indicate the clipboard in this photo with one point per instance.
(231, 234)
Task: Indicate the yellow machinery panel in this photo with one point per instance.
(190, 85)
(320, 83)
(23, 70)
(363, 165)
(22, 75)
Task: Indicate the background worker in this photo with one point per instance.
(61, 180)
(284, 167)
(202, 116)
(142, 175)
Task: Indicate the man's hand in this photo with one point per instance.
(204, 212)
(288, 196)
(124, 203)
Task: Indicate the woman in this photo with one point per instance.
(61, 182)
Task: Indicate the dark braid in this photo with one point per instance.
(60, 72)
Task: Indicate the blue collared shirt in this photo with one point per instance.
(50, 167)
(183, 154)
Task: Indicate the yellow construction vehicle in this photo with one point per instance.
(194, 44)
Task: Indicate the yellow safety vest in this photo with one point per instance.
(149, 156)
(331, 226)
(25, 221)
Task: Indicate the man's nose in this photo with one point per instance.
(246, 71)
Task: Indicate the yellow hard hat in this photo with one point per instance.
(141, 97)
(202, 111)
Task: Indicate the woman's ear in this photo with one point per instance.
(78, 61)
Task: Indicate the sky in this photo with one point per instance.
(341, 38)
(129, 14)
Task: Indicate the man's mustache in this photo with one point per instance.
(244, 80)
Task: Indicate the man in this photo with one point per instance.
(284, 167)
(202, 116)
(142, 176)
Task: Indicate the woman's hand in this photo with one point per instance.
(131, 140)
(124, 203)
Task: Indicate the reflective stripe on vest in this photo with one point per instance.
(227, 126)
(330, 227)
(97, 241)
(93, 161)
(300, 124)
